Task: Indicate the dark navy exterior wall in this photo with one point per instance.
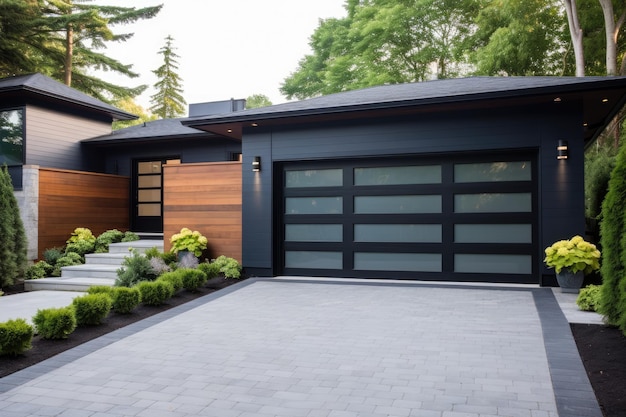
(561, 190)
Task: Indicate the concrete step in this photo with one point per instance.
(105, 258)
(65, 284)
(90, 271)
(139, 245)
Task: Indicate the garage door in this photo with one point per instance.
(446, 218)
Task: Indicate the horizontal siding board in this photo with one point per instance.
(71, 199)
(205, 197)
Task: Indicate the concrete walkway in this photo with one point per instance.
(331, 348)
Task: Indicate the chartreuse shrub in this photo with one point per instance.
(174, 278)
(155, 293)
(101, 289)
(612, 232)
(55, 323)
(81, 241)
(228, 266)
(192, 278)
(125, 300)
(187, 240)
(39, 270)
(15, 337)
(589, 298)
(106, 238)
(91, 309)
(68, 259)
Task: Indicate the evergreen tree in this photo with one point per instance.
(613, 240)
(168, 101)
(13, 244)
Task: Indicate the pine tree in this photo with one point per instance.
(168, 101)
(13, 244)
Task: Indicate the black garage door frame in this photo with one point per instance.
(447, 218)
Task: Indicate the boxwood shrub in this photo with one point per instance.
(15, 337)
(55, 323)
(192, 278)
(101, 289)
(125, 300)
(155, 293)
(211, 270)
(91, 309)
(175, 278)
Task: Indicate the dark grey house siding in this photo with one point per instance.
(512, 129)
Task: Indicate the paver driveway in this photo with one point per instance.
(270, 347)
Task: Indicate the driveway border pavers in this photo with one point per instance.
(573, 393)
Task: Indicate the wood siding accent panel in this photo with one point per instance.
(71, 199)
(53, 138)
(204, 197)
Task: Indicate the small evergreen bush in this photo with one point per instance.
(155, 293)
(228, 266)
(174, 278)
(69, 259)
(135, 268)
(52, 255)
(211, 270)
(15, 337)
(589, 298)
(55, 323)
(125, 300)
(130, 236)
(192, 278)
(80, 247)
(39, 270)
(106, 238)
(91, 309)
(13, 244)
(101, 289)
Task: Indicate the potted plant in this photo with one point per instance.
(188, 241)
(572, 259)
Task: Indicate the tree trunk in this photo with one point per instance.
(69, 52)
(576, 33)
(611, 36)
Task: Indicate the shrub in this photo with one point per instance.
(101, 289)
(192, 278)
(81, 241)
(106, 238)
(81, 233)
(125, 299)
(211, 270)
(174, 278)
(155, 293)
(135, 268)
(13, 245)
(589, 298)
(55, 323)
(130, 236)
(228, 266)
(158, 265)
(187, 260)
(52, 255)
(91, 309)
(15, 337)
(69, 259)
(80, 247)
(39, 270)
(186, 240)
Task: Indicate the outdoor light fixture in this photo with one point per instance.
(561, 149)
(256, 164)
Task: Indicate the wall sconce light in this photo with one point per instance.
(256, 164)
(562, 149)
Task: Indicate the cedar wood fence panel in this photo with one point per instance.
(71, 199)
(205, 197)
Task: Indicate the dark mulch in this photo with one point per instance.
(603, 351)
(43, 349)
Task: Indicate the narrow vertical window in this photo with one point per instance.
(11, 137)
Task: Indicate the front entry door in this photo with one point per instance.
(148, 194)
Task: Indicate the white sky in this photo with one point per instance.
(227, 48)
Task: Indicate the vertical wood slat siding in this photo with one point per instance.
(204, 197)
(71, 199)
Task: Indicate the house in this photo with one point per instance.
(449, 180)
(454, 180)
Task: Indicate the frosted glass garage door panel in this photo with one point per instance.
(314, 178)
(397, 204)
(414, 262)
(493, 264)
(313, 260)
(493, 172)
(399, 233)
(313, 233)
(313, 205)
(398, 175)
(493, 233)
(493, 203)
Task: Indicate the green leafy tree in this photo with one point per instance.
(129, 105)
(257, 100)
(613, 240)
(13, 244)
(168, 101)
(519, 37)
(384, 42)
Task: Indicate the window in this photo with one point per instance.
(12, 137)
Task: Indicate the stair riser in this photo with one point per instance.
(109, 259)
(125, 248)
(85, 273)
